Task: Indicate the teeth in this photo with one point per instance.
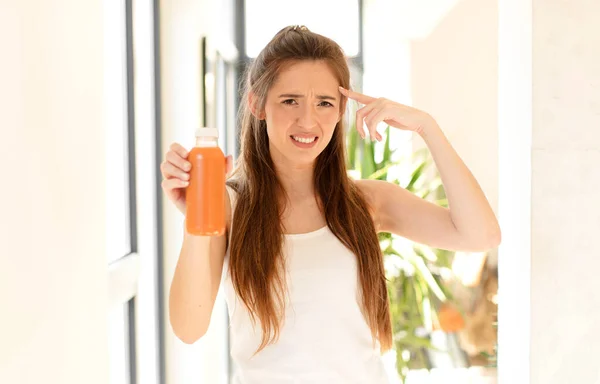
(303, 140)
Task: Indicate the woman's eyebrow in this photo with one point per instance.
(298, 96)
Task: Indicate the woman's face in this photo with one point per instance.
(301, 111)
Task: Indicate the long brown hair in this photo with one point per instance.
(256, 260)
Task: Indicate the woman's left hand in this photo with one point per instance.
(377, 110)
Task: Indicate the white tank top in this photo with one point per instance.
(324, 338)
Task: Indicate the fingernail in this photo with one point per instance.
(188, 166)
(342, 89)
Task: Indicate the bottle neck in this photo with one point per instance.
(204, 141)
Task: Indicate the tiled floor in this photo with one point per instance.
(474, 375)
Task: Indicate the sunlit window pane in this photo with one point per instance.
(118, 345)
(337, 19)
(115, 99)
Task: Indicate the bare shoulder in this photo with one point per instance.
(390, 204)
(368, 189)
(372, 191)
(399, 211)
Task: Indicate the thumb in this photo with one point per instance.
(228, 164)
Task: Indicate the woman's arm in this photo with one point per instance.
(469, 224)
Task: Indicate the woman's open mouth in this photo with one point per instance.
(304, 141)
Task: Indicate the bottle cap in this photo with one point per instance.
(207, 132)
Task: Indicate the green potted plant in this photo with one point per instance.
(414, 272)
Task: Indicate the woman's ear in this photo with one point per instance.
(252, 105)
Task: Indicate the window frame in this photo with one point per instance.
(143, 183)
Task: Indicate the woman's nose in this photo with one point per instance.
(307, 116)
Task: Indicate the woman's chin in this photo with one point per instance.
(295, 156)
(302, 159)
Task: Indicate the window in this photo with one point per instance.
(118, 344)
(120, 184)
(219, 89)
(135, 330)
(117, 138)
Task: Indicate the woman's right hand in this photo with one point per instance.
(175, 170)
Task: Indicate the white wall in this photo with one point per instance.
(454, 77)
(514, 211)
(549, 156)
(53, 286)
(565, 208)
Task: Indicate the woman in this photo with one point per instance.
(300, 262)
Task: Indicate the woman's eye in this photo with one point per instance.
(325, 104)
(293, 102)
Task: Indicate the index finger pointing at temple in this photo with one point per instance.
(364, 99)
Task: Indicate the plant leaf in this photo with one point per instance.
(352, 147)
(415, 176)
(425, 273)
(387, 153)
(368, 159)
(381, 174)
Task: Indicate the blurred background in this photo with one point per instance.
(92, 93)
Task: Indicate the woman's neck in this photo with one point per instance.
(296, 179)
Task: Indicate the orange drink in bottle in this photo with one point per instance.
(205, 195)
